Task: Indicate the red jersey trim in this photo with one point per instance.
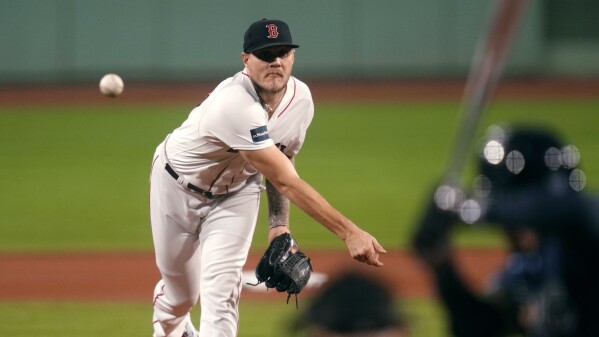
(291, 100)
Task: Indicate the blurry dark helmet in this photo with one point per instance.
(529, 178)
(523, 156)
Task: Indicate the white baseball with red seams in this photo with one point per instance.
(204, 260)
(111, 85)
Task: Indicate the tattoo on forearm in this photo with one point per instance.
(278, 207)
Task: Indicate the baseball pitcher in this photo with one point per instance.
(206, 181)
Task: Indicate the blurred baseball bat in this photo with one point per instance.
(431, 237)
(489, 59)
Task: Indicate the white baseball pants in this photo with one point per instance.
(201, 246)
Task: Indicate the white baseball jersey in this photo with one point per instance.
(204, 149)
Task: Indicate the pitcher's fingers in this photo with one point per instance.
(373, 260)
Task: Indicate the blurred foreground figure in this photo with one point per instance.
(529, 185)
(352, 305)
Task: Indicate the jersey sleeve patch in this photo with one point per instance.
(259, 134)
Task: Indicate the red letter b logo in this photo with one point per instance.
(272, 31)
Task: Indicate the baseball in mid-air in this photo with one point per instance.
(111, 85)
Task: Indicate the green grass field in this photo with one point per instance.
(75, 178)
(258, 319)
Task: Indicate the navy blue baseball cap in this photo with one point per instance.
(267, 33)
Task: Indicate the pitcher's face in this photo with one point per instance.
(270, 68)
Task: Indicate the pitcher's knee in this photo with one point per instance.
(182, 308)
(174, 308)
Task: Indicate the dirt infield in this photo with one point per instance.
(131, 276)
(322, 91)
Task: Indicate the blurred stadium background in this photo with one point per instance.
(79, 40)
(74, 165)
